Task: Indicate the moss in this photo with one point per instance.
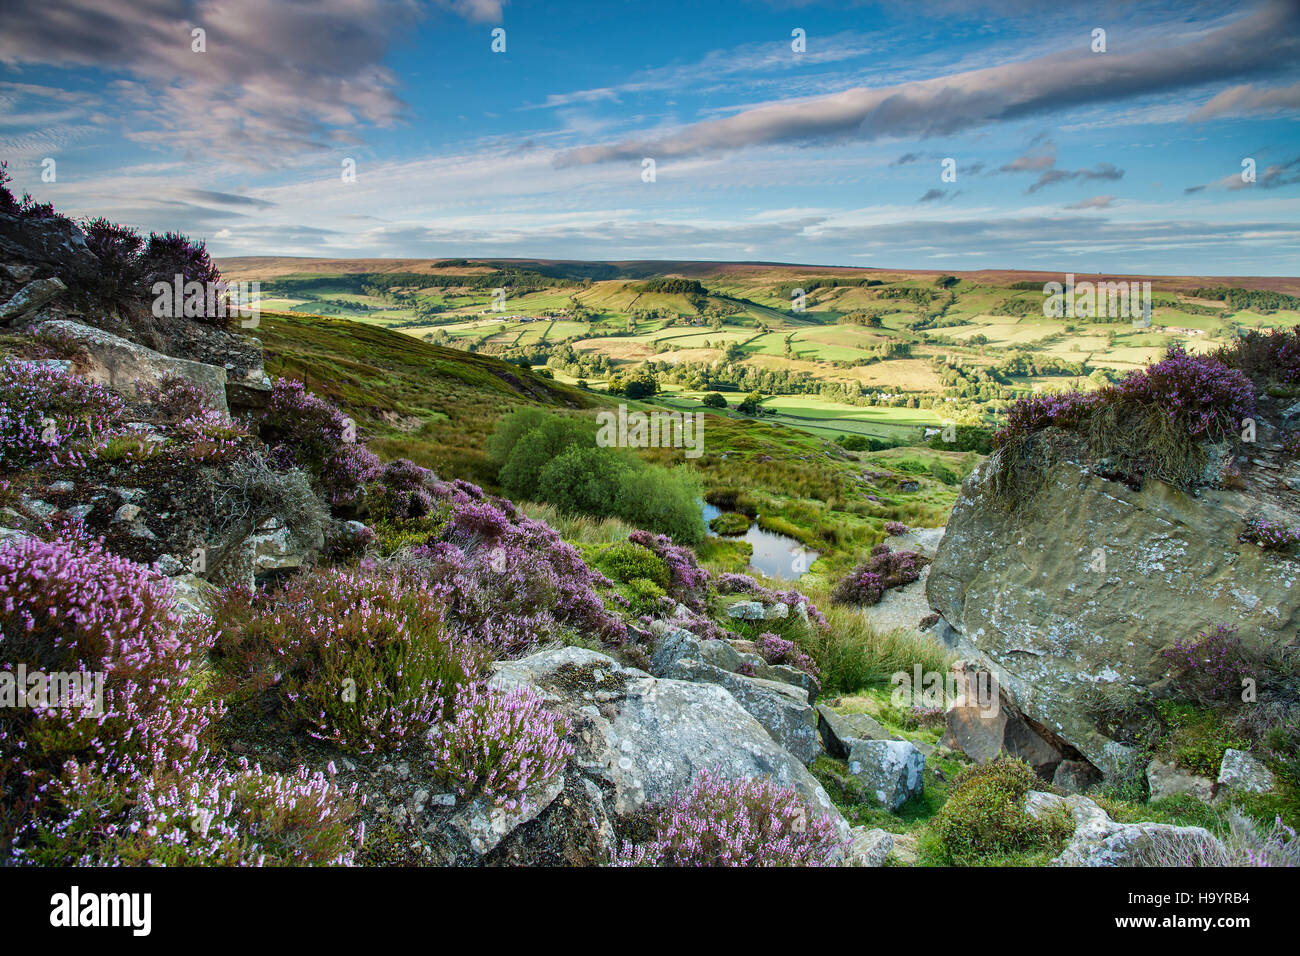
(1195, 737)
(730, 522)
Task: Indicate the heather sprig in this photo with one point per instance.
(499, 744)
(746, 822)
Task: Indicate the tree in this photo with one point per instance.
(713, 400)
(751, 405)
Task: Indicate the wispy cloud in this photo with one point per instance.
(1257, 43)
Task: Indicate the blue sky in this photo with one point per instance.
(1066, 158)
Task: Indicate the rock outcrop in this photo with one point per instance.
(1080, 589)
(640, 738)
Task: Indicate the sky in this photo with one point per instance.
(1129, 137)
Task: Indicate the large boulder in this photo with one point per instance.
(1081, 588)
(783, 710)
(120, 364)
(642, 739)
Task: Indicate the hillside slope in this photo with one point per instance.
(431, 404)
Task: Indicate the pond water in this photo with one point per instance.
(776, 555)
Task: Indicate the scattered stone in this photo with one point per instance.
(483, 824)
(838, 730)
(870, 847)
(1100, 841)
(1242, 773)
(127, 513)
(30, 298)
(1166, 780)
(888, 770)
(746, 611)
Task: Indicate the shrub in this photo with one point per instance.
(866, 584)
(714, 400)
(893, 528)
(210, 437)
(720, 822)
(1151, 424)
(500, 744)
(206, 817)
(688, 582)
(301, 429)
(629, 560)
(171, 254)
(1273, 354)
(51, 416)
(117, 248)
(362, 659)
(174, 398)
(1269, 535)
(1209, 668)
(984, 819)
(777, 650)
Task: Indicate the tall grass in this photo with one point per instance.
(578, 529)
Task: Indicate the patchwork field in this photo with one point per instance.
(881, 353)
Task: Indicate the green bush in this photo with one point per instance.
(984, 820)
(627, 562)
(943, 473)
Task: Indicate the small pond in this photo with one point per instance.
(776, 555)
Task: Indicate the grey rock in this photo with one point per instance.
(837, 730)
(1076, 776)
(1242, 773)
(126, 513)
(783, 710)
(1100, 841)
(1166, 780)
(1027, 598)
(119, 364)
(870, 847)
(30, 298)
(483, 824)
(655, 739)
(888, 770)
(746, 611)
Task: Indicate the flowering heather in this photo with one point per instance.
(499, 744)
(512, 585)
(71, 607)
(730, 583)
(205, 816)
(302, 429)
(1269, 354)
(1196, 390)
(866, 584)
(1269, 535)
(1209, 667)
(1036, 412)
(896, 528)
(209, 437)
(360, 658)
(1277, 845)
(689, 582)
(51, 416)
(721, 822)
(174, 398)
(346, 472)
(777, 650)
